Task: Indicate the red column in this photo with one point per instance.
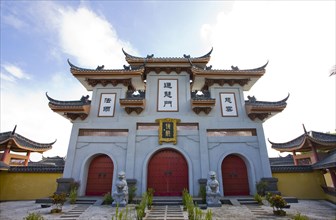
(294, 159)
(27, 160)
(315, 154)
(5, 154)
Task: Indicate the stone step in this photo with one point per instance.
(165, 213)
(85, 201)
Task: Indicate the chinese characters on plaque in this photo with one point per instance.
(167, 95)
(106, 107)
(228, 104)
(167, 130)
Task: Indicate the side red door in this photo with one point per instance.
(234, 176)
(167, 173)
(100, 175)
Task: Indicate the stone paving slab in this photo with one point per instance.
(314, 209)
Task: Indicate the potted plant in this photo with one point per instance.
(278, 203)
(58, 200)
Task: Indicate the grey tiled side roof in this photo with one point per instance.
(318, 137)
(291, 169)
(25, 142)
(83, 101)
(282, 161)
(290, 144)
(328, 162)
(253, 101)
(323, 137)
(36, 169)
(49, 161)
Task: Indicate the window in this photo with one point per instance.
(231, 132)
(103, 132)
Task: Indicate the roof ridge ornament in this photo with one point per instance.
(304, 129)
(13, 132)
(100, 67)
(234, 67)
(208, 54)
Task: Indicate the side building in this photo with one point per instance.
(167, 122)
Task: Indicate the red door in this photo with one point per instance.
(100, 176)
(167, 173)
(234, 174)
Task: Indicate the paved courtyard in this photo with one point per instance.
(313, 209)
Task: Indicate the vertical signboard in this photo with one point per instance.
(167, 95)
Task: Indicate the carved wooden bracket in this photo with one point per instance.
(133, 105)
(74, 116)
(114, 82)
(261, 116)
(221, 82)
(206, 110)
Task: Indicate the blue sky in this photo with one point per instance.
(37, 37)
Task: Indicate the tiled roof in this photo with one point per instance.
(328, 162)
(22, 143)
(262, 104)
(232, 70)
(262, 110)
(283, 161)
(153, 58)
(291, 169)
(102, 69)
(83, 101)
(36, 169)
(318, 138)
(49, 161)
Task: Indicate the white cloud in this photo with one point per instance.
(301, 51)
(6, 77)
(15, 71)
(13, 21)
(27, 107)
(90, 38)
(80, 33)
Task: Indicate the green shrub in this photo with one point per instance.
(298, 216)
(33, 216)
(73, 195)
(208, 215)
(184, 198)
(258, 198)
(150, 194)
(131, 193)
(140, 209)
(261, 187)
(194, 212)
(73, 192)
(122, 215)
(202, 193)
(277, 203)
(107, 199)
(58, 199)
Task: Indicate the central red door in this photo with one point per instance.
(167, 173)
(100, 175)
(234, 176)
